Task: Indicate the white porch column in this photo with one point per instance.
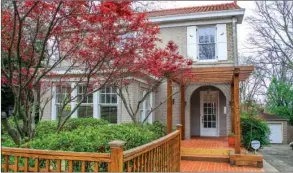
(74, 97)
(96, 105)
(53, 106)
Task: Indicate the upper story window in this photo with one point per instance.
(206, 43)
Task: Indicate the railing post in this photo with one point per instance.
(116, 164)
(179, 127)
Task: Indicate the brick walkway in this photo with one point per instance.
(197, 166)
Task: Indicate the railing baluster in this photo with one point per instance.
(47, 165)
(6, 164)
(16, 164)
(96, 166)
(37, 164)
(26, 164)
(70, 166)
(83, 166)
(58, 165)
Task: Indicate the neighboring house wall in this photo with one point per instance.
(289, 134)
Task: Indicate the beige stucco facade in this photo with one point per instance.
(177, 32)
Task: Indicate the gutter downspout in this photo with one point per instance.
(235, 51)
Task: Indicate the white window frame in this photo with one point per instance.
(99, 104)
(56, 100)
(197, 43)
(87, 103)
(143, 108)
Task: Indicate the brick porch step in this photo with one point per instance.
(206, 154)
(221, 159)
(206, 151)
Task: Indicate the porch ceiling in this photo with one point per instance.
(218, 74)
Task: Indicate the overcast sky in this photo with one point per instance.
(243, 29)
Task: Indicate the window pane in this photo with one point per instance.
(207, 51)
(206, 40)
(114, 98)
(109, 113)
(85, 111)
(90, 98)
(214, 124)
(102, 98)
(207, 35)
(64, 112)
(108, 98)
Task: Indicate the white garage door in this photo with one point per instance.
(276, 133)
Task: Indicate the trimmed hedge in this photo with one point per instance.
(254, 128)
(89, 135)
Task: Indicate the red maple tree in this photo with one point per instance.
(96, 45)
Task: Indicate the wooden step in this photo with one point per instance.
(222, 159)
(205, 151)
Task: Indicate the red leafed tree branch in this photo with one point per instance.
(51, 43)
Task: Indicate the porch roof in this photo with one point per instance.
(217, 74)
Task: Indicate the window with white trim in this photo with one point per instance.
(108, 104)
(62, 97)
(145, 107)
(85, 110)
(206, 43)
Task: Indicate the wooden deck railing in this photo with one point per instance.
(162, 155)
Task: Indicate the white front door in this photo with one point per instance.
(209, 101)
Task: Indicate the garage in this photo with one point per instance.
(278, 128)
(276, 136)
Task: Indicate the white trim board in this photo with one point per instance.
(195, 23)
(239, 13)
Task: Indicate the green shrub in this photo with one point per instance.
(48, 127)
(74, 123)
(95, 139)
(157, 127)
(253, 128)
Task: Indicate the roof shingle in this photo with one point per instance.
(267, 116)
(195, 9)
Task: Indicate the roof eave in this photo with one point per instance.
(238, 13)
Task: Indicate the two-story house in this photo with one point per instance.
(208, 35)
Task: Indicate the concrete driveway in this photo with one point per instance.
(279, 156)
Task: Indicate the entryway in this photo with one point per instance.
(208, 112)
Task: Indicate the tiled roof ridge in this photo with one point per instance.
(191, 7)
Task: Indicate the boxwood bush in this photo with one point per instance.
(254, 128)
(87, 135)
